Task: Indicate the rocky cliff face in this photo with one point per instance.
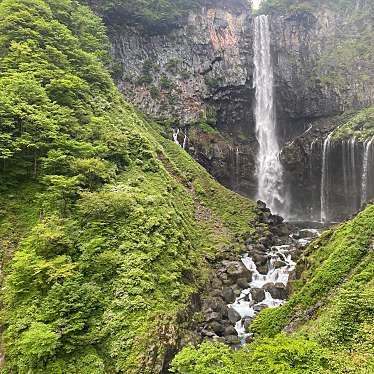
(320, 71)
(199, 70)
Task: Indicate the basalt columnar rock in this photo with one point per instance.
(196, 72)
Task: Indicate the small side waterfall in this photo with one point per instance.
(175, 136)
(325, 179)
(347, 177)
(268, 166)
(368, 154)
(176, 132)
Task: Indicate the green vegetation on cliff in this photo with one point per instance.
(345, 58)
(153, 13)
(106, 228)
(359, 125)
(330, 317)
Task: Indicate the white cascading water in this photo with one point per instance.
(175, 136)
(245, 305)
(365, 171)
(325, 179)
(268, 166)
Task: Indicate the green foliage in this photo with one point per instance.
(348, 245)
(360, 126)
(102, 237)
(150, 13)
(278, 355)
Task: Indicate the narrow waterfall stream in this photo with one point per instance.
(268, 166)
(365, 170)
(325, 178)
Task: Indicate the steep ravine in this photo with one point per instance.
(200, 71)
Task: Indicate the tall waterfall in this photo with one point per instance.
(268, 166)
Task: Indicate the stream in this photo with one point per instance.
(270, 273)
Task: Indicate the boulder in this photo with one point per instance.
(259, 307)
(228, 295)
(217, 328)
(279, 264)
(213, 316)
(263, 269)
(261, 205)
(258, 294)
(232, 340)
(207, 333)
(275, 220)
(277, 290)
(259, 259)
(247, 321)
(236, 270)
(242, 283)
(230, 330)
(233, 315)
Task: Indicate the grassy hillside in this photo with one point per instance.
(106, 227)
(328, 320)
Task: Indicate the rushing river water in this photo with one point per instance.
(269, 289)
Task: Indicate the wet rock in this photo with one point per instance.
(232, 340)
(277, 290)
(265, 241)
(260, 249)
(247, 321)
(263, 269)
(213, 316)
(279, 264)
(233, 315)
(228, 295)
(274, 219)
(217, 328)
(259, 259)
(259, 307)
(258, 295)
(242, 283)
(282, 230)
(207, 333)
(236, 270)
(261, 205)
(248, 339)
(230, 330)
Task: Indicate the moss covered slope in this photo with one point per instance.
(107, 228)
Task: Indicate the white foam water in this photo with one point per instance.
(268, 166)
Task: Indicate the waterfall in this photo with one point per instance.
(325, 178)
(268, 166)
(237, 168)
(175, 135)
(353, 177)
(365, 171)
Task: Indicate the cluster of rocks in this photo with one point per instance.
(219, 319)
(231, 277)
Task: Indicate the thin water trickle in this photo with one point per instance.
(175, 135)
(365, 171)
(325, 178)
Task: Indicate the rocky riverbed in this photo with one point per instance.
(257, 279)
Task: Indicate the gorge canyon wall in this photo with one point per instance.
(197, 75)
